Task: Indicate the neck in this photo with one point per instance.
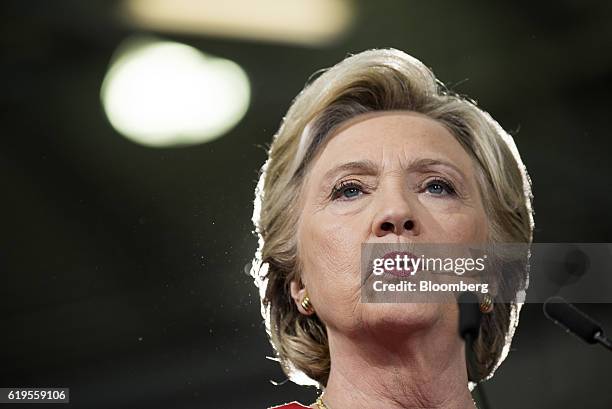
(424, 370)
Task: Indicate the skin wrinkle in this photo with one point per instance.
(386, 355)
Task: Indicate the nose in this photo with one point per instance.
(395, 216)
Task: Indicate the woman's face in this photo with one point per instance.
(378, 171)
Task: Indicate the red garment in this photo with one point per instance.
(290, 405)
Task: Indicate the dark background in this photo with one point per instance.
(123, 267)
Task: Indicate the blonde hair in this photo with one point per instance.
(375, 80)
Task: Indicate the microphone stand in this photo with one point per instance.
(603, 340)
(573, 320)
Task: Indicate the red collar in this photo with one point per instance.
(290, 405)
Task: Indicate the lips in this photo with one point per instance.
(403, 260)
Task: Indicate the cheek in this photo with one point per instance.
(329, 248)
(463, 227)
(330, 251)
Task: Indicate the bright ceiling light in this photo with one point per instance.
(161, 93)
(310, 22)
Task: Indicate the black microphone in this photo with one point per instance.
(469, 315)
(572, 320)
(469, 327)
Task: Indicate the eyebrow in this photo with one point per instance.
(363, 167)
(422, 164)
(367, 167)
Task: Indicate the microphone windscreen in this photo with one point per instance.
(571, 319)
(469, 314)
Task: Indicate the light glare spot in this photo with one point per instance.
(166, 93)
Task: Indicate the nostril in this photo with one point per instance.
(409, 225)
(386, 226)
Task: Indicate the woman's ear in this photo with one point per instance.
(299, 294)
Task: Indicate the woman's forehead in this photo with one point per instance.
(400, 136)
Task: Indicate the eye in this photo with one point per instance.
(439, 187)
(346, 191)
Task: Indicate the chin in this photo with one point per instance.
(405, 317)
